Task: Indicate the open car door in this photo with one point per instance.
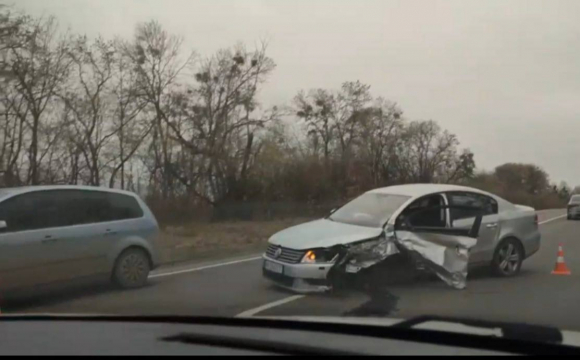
(442, 250)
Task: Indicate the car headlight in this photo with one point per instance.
(320, 256)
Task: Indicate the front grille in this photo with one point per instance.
(288, 255)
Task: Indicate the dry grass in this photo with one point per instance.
(206, 240)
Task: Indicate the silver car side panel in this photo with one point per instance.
(520, 224)
(142, 238)
(445, 255)
(78, 251)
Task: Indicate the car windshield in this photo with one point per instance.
(370, 209)
(187, 155)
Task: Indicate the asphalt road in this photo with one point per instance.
(235, 288)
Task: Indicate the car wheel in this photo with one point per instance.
(508, 258)
(132, 269)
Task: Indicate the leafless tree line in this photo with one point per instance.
(147, 115)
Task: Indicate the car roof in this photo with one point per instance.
(417, 190)
(5, 192)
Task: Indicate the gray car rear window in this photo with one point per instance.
(85, 207)
(57, 208)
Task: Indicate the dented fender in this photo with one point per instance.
(445, 255)
(368, 253)
(442, 251)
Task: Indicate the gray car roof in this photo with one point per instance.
(25, 189)
(417, 190)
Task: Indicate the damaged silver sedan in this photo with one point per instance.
(439, 229)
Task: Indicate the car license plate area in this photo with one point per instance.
(273, 267)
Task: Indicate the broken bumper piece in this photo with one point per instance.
(445, 255)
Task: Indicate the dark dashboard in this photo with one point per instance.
(41, 335)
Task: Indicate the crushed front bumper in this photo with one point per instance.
(301, 278)
(442, 254)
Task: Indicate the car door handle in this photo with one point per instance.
(48, 239)
(108, 232)
(491, 226)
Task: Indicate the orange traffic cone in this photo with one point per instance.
(561, 268)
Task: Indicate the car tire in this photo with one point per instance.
(514, 251)
(132, 269)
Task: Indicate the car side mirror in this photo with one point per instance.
(3, 225)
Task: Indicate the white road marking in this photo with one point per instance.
(171, 273)
(259, 309)
(552, 219)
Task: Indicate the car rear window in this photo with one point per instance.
(486, 205)
(56, 208)
(124, 207)
(87, 207)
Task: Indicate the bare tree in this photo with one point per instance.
(380, 134)
(425, 153)
(129, 117)
(334, 117)
(12, 137)
(461, 169)
(316, 109)
(36, 59)
(351, 108)
(158, 65)
(218, 121)
(87, 102)
(525, 177)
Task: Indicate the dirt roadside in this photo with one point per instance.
(209, 241)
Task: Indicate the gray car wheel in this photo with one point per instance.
(508, 258)
(132, 269)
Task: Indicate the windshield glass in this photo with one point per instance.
(370, 209)
(191, 154)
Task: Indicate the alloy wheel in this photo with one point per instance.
(509, 259)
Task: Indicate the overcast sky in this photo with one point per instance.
(503, 75)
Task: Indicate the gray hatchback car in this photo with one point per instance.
(574, 207)
(51, 234)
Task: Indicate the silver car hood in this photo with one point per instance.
(322, 233)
